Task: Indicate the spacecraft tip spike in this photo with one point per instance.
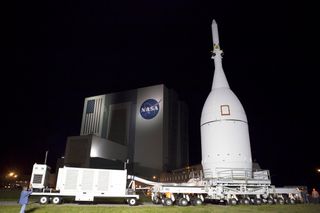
(215, 35)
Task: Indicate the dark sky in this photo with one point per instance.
(59, 53)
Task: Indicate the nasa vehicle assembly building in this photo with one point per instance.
(148, 126)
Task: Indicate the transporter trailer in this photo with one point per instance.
(226, 189)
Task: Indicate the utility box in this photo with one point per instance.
(89, 183)
(40, 176)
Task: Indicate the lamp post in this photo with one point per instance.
(12, 175)
(11, 178)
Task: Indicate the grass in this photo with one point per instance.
(35, 207)
(12, 195)
(299, 208)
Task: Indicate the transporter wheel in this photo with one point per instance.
(280, 201)
(245, 201)
(232, 201)
(197, 202)
(44, 200)
(183, 202)
(56, 200)
(132, 201)
(257, 201)
(291, 201)
(167, 202)
(156, 200)
(270, 201)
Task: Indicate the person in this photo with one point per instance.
(304, 194)
(315, 196)
(24, 198)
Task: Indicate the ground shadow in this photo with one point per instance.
(33, 209)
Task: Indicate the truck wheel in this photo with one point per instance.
(292, 201)
(183, 202)
(270, 201)
(257, 201)
(281, 201)
(232, 201)
(197, 202)
(44, 200)
(245, 201)
(56, 200)
(132, 201)
(156, 200)
(167, 202)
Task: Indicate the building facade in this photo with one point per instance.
(148, 126)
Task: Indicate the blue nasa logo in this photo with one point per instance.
(149, 109)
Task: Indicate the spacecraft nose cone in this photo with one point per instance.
(219, 79)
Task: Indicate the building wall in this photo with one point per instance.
(93, 117)
(150, 145)
(150, 122)
(183, 175)
(82, 151)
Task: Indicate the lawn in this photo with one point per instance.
(70, 208)
(299, 208)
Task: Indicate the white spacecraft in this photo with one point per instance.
(225, 142)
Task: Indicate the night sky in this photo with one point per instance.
(57, 54)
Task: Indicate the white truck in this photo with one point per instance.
(82, 184)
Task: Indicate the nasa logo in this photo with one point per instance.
(149, 109)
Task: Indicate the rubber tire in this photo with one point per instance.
(270, 201)
(197, 202)
(167, 202)
(183, 202)
(44, 200)
(232, 202)
(245, 201)
(156, 200)
(257, 201)
(56, 200)
(291, 201)
(132, 201)
(281, 201)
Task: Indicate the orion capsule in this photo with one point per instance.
(225, 143)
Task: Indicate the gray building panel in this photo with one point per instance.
(77, 151)
(149, 150)
(148, 126)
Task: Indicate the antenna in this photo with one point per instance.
(45, 159)
(125, 163)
